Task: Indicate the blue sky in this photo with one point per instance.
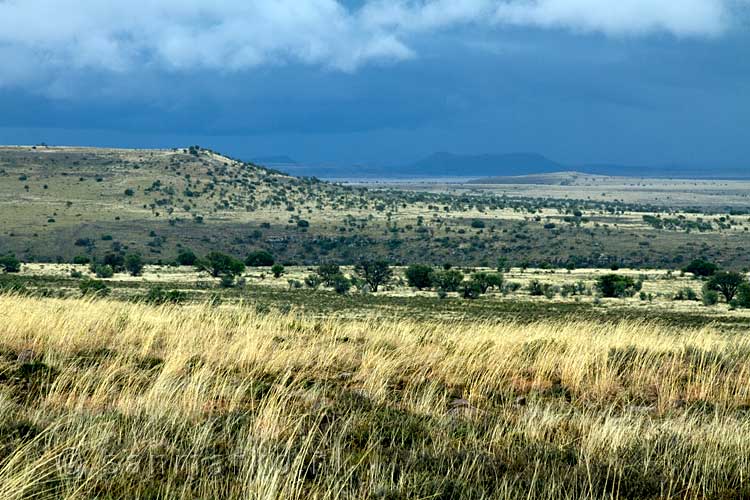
(384, 81)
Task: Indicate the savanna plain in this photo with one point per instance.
(180, 324)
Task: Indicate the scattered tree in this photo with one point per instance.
(375, 273)
(726, 283)
(134, 264)
(419, 276)
(10, 264)
(260, 258)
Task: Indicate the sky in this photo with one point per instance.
(384, 82)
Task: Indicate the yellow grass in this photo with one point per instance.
(111, 399)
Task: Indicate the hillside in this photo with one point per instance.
(57, 203)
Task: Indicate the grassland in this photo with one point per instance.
(56, 203)
(270, 388)
(112, 399)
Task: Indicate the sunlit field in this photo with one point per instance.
(113, 399)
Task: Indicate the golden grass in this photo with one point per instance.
(111, 399)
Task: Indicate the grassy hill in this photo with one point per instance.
(60, 202)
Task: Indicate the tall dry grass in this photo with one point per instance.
(110, 399)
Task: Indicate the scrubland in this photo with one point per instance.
(113, 399)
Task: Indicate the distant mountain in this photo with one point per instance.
(449, 164)
(477, 166)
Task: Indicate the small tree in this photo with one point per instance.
(218, 264)
(615, 285)
(328, 273)
(449, 281)
(134, 264)
(375, 273)
(277, 270)
(341, 284)
(10, 264)
(726, 283)
(743, 296)
(487, 280)
(471, 289)
(260, 258)
(701, 268)
(186, 257)
(419, 276)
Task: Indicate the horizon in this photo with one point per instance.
(385, 83)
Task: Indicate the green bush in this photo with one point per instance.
(186, 257)
(709, 297)
(686, 293)
(10, 264)
(742, 298)
(328, 273)
(341, 284)
(220, 265)
(260, 258)
(103, 271)
(81, 259)
(158, 295)
(91, 287)
(450, 281)
(313, 281)
(134, 264)
(277, 270)
(419, 276)
(701, 268)
(617, 286)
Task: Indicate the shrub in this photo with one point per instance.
(686, 293)
(487, 280)
(341, 284)
(313, 281)
(471, 290)
(129, 192)
(186, 257)
(450, 281)
(115, 261)
(91, 287)
(10, 264)
(134, 264)
(328, 273)
(742, 298)
(103, 271)
(536, 289)
(701, 268)
(477, 224)
(709, 297)
(277, 270)
(81, 259)
(617, 286)
(158, 295)
(419, 276)
(260, 258)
